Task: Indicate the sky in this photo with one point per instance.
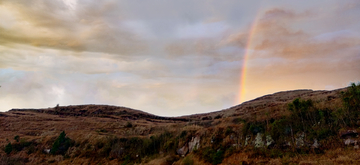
(172, 57)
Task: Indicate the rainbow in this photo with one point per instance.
(249, 46)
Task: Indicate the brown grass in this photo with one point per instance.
(43, 126)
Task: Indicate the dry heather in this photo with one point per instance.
(100, 134)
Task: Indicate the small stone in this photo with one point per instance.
(247, 139)
(316, 144)
(47, 151)
(300, 140)
(349, 142)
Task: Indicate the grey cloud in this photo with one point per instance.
(70, 31)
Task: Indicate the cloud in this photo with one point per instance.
(285, 49)
(278, 39)
(202, 30)
(169, 57)
(54, 25)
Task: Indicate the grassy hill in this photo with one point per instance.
(290, 127)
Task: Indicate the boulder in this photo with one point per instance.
(316, 144)
(183, 150)
(299, 141)
(269, 141)
(350, 141)
(194, 143)
(258, 141)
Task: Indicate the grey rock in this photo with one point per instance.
(247, 139)
(350, 141)
(299, 141)
(269, 140)
(316, 144)
(183, 150)
(258, 141)
(47, 151)
(194, 143)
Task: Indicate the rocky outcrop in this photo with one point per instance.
(258, 143)
(350, 141)
(348, 137)
(299, 141)
(269, 141)
(189, 146)
(183, 150)
(316, 144)
(194, 143)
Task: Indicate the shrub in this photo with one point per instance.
(228, 131)
(351, 101)
(61, 144)
(183, 134)
(17, 138)
(20, 146)
(212, 156)
(207, 154)
(218, 157)
(238, 120)
(188, 161)
(257, 128)
(171, 159)
(8, 148)
(128, 125)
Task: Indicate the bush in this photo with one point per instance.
(188, 161)
(183, 134)
(171, 159)
(218, 157)
(212, 156)
(238, 120)
(8, 148)
(257, 128)
(61, 144)
(351, 101)
(128, 125)
(228, 131)
(20, 146)
(17, 138)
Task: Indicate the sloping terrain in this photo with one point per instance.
(276, 103)
(102, 134)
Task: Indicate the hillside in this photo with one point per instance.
(264, 130)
